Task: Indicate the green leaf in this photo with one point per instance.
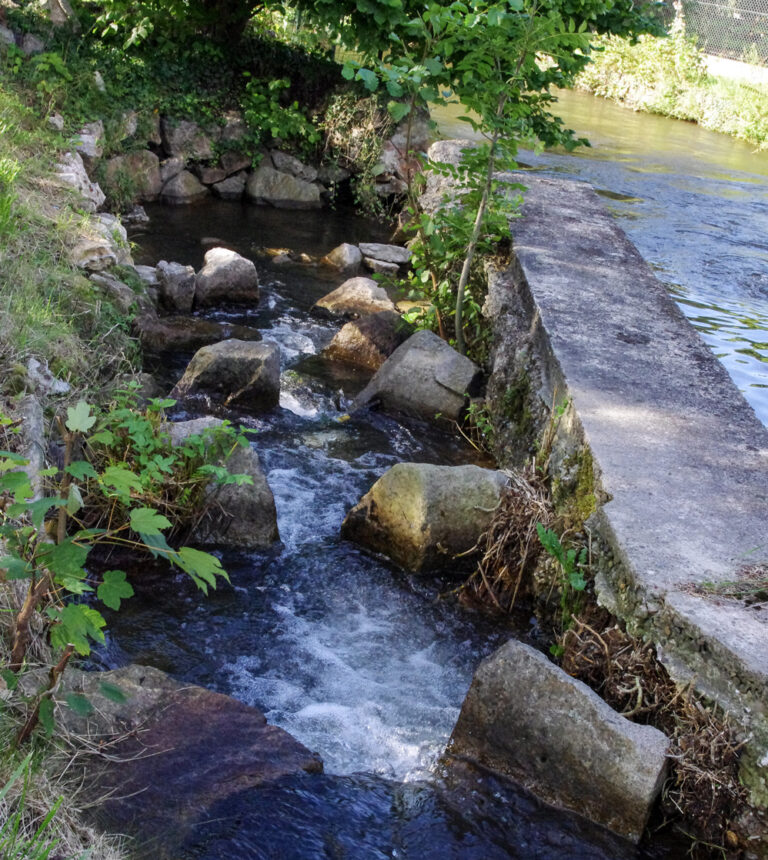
(15, 567)
(347, 71)
(46, 716)
(65, 559)
(36, 510)
(81, 469)
(157, 545)
(11, 678)
(74, 499)
(398, 110)
(369, 79)
(79, 704)
(121, 480)
(105, 437)
(147, 521)
(79, 418)
(114, 589)
(201, 566)
(112, 692)
(17, 483)
(77, 624)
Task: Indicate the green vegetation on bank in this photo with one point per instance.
(668, 76)
(48, 310)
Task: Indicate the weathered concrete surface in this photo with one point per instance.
(526, 718)
(679, 461)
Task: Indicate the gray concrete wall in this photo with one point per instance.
(676, 459)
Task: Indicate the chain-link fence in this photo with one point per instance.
(727, 28)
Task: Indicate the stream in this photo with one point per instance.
(359, 661)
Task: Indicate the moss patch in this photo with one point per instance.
(574, 492)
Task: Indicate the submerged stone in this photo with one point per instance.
(175, 750)
(234, 373)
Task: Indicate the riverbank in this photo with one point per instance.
(669, 76)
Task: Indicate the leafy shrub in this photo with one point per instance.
(117, 495)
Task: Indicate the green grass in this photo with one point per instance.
(48, 309)
(668, 76)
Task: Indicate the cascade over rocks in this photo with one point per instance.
(182, 748)
(527, 719)
(226, 277)
(234, 373)
(423, 377)
(369, 341)
(241, 516)
(421, 515)
(356, 297)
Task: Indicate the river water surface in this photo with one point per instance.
(694, 202)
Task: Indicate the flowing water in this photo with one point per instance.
(359, 661)
(694, 202)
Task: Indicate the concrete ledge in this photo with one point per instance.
(677, 460)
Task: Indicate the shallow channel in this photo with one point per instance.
(360, 662)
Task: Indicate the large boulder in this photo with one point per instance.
(231, 188)
(105, 245)
(424, 377)
(386, 253)
(441, 190)
(226, 277)
(355, 298)
(345, 257)
(186, 139)
(369, 341)
(187, 334)
(267, 185)
(183, 188)
(287, 163)
(527, 719)
(240, 516)
(234, 373)
(172, 751)
(176, 286)
(139, 170)
(71, 171)
(421, 515)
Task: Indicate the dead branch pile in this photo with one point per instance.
(703, 792)
(510, 548)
